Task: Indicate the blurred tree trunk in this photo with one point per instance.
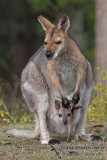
(77, 27)
(101, 36)
(20, 45)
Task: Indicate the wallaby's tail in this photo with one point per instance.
(23, 133)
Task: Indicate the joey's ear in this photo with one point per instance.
(64, 23)
(71, 104)
(45, 23)
(57, 105)
(78, 107)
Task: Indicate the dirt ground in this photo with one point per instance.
(18, 148)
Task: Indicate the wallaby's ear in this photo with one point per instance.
(57, 105)
(64, 23)
(45, 23)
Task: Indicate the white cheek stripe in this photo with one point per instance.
(58, 50)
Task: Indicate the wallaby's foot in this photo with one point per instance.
(95, 137)
(45, 141)
(75, 99)
(87, 137)
(54, 141)
(51, 141)
(65, 102)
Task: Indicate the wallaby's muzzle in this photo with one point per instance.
(49, 55)
(65, 121)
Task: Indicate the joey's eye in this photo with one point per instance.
(60, 115)
(69, 114)
(58, 42)
(45, 43)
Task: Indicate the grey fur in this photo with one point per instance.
(39, 92)
(40, 95)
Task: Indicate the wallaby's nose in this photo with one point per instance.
(49, 55)
(65, 121)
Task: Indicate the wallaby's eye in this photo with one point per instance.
(45, 43)
(58, 42)
(69, 114)
(60, 115)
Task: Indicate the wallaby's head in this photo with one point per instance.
(55, 39)
(64, 114)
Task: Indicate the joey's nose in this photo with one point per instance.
(65, 121)
(49, 55)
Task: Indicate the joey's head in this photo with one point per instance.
(64, 114)
(55, 39)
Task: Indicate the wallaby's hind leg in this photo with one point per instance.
(80, 128)
(42, 105)
(35, 92)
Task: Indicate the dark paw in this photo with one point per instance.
(95, 137)
(54, 141)
(65, 102)
(75, 99)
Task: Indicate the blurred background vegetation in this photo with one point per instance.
(21, 35)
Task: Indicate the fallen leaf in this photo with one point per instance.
(95, 126)
(8, 143)
(81, 139)
(73, 152)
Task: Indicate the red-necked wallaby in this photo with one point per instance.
(57, 71)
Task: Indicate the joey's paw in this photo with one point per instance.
(65, 102)
(54, 141)
(75, 98)
(95, 137)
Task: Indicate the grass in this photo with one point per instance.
(18, 148)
